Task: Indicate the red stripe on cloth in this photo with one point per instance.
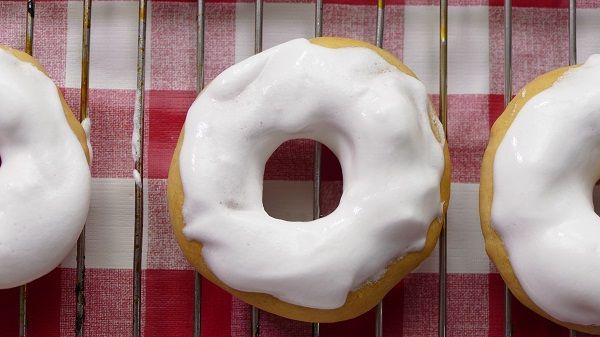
(358, 21)
(67, 314)
(44, 305)
(50, 38)
(163, 250)
(9, 312)
(393, 311)
(174, 43)
(496, 305)
(421, 305)
(169, 303)
(527, 323)
(167, 114)
(108, 302)
(346, 2)
(533, 3)
(468, 133)
(277, 326)
(270, 325)
(20, 1)
(12, 25)
(352, 2)
(364, 325)
(331, 170)
(294, 160)
(331, 193)
(467, 305)
(216, 311)
(111, 113)
(496, 107)
(534, 29)
(360, 326)
(50, 33)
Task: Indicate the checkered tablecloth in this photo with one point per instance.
(475, 290)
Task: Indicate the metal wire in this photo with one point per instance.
(258, 39)
(572, 32)
(379, 31)
(319, 18)
(572, 60)
(84, 113)
(317, 207)
(379, 43)
(197, 304)
(255, 328)
(23, 311)
(316, 327)
(28, 50)
(443, 107)
(29, 24)
(139, 166)
(258, 26)
(379, 320)
(200, 20)
(507, 98)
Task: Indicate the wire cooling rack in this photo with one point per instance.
(379, 11)
(258, 37)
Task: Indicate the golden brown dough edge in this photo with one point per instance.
(357, 302)
(73, 123)
(493, 244)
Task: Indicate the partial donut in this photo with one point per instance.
(536, 207)
(375, 115)
(44, 174)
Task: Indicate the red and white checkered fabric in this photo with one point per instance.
(475, 44)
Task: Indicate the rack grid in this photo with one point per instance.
(138, 165)
(258, 46)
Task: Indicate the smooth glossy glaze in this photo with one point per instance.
(544, 173)
(44, 178)
(377, 121)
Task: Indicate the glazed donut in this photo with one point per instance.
(44, 175)
(375, 115)
(536, 207)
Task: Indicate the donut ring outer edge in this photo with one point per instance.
(357, 302)
(494, 245)
(70, 117)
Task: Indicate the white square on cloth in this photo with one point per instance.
(113, 45)
(281, 23)
(468, 47)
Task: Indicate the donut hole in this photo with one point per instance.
(288, 181)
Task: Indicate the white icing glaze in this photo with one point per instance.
(137, 178)
(544, 172)
(44, 176)
(135, 134)
(86, 124)
(374, 117)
